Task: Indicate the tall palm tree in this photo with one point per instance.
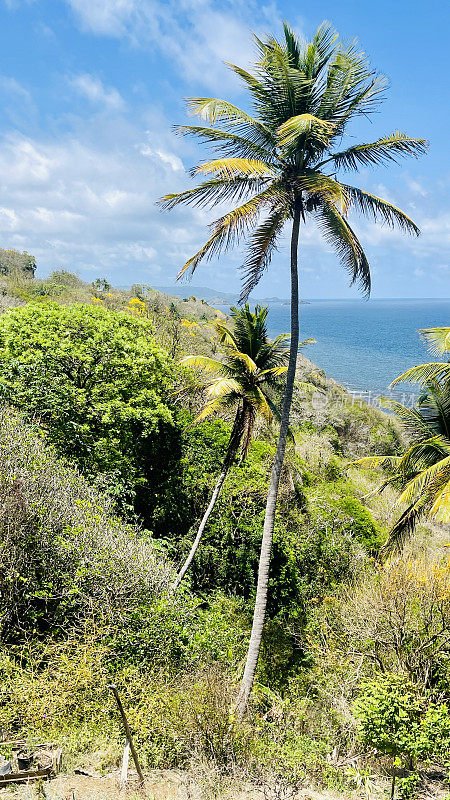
(279, 165)
(422, 473)
(249, 377)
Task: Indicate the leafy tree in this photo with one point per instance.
(249, 377)
(11, 261)
(422, 473)
(282, 160)
(400, 723)
(98, 381)
(101, 285)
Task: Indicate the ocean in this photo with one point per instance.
(364, 345)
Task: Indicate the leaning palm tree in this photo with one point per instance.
(422, 473)
(278, 165)
(248, 378)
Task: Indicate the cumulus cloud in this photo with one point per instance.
(89, 203)
(93, 89)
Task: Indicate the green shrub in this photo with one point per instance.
(364, 528)
(399, 722)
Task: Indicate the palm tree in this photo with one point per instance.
(422, 473)
(248, 377)
(278, 165)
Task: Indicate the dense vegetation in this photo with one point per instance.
(103, 479)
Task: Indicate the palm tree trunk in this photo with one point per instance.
(233, 444)
(272, 495)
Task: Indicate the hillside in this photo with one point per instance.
(103, 479)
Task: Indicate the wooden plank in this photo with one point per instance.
(25, 775)
(124, 772)
(113, 688)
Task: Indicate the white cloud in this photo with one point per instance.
(16, 102)
(416, 187)
(93, 89)
(89, 203)
(198, 34)
(168, 158)
(11, 86)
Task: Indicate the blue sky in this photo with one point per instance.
(90, 90)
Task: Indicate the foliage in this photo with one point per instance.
(397, 721)
(64, 554)
(85, 594)
(249, 372)
(57, 690)
(12, 262)
(98, 381)
(310, 557)
(422, 472)
(398, 617)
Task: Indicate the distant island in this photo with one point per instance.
(185, 291)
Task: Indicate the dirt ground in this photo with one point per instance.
(160, 785)
(175, 785)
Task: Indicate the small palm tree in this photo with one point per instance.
(422, 473)
(279, 165)
(248, 379)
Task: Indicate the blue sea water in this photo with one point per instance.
(364, 345)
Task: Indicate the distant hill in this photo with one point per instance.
(201, 292)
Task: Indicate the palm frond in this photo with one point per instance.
(293, 132)
(208, 409)
(214, 110)
(438, 339)
(342, 238)
(247, 360)
(379, 209)
(384, 150)
(203, 362)
(402, 529)
(227, 142)
(259, 401)
(215, 191)
(320, 188)
(274, 371)
(417, 486)
(227, 230)
(440, 510)
(223, 386)
(353, 88)
(412, 420)
(227, 168)
(424, 373)
(263, 243)
(375, 462)
(422, 455)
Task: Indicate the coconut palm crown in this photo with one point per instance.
(286, 154)
(248, 380)
(249, 374)
(422, 473)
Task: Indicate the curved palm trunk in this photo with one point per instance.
(272, 495)
(233, 444)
